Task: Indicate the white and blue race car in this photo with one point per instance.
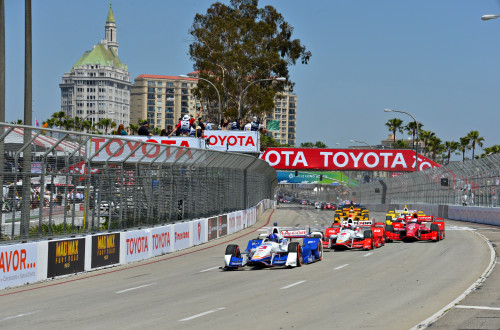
(277, 249)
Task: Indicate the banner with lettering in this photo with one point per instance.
(199, 231)
(136, 245)
(181, 236)
(66, 257)
(18, 264)
(105, 250)
(161, 240)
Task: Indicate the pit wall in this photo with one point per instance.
(484, 215)
(38, 261)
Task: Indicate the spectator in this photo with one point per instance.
(169, 129)
(235, 125)
(224, 124)
(464, 200)
(59, 198)
(201, 124)
(255, 125)
(121, 130)
(144, 129)
(163, 132)
(184, 126)
(248, 125)
(208, 126)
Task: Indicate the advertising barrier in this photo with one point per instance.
(239, 221)
(236, 141)
(223, 225)
(161, 240)
(181, 236)
(135, 245)
(231, 223)
(199, 231)
(66, 257)
(212, 228)
(105, 250)
(18, 264)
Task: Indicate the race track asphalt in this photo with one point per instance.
(393, 287)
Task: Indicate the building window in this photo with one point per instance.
(184, 104)
(169, 84)
(159, 83)
(151, 89)
(169, 109)
(184, 97)
(158, 109)
(158, 115)
(169, 116)
(151, 102)
(169, 103)
(151, 96)
(291, 105)
(184, 110)
(151, 83)
(184, 85)
(152, 109)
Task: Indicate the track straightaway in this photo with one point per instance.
(415, 279)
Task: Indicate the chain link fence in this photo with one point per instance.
(72, 184)
(470, 183)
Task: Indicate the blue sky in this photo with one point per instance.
(434, 59)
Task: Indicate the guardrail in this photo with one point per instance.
(45, 259)
(470, 183)
(82, 183)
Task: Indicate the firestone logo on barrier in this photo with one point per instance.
(181, 235)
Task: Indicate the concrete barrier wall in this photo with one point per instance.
(32, 262)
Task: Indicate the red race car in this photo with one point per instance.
(354, 234)
(416, 228)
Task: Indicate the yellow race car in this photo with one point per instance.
(355, 213)
(396, 214)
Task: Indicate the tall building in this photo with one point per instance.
(162, 100)
(98, 85)
(285, 112)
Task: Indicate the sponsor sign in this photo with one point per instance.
(105, 250)
(212, 228)
(199, 230)
(18, 264)
(239, 220)
(66, 257)
(240, 141)
(137, 245)
(345, 159)
(222, 225)
(161, 240)
(231, 223)
(244, 215)
(181, 236)
(294, 233)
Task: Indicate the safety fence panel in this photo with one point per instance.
(470, 183)
(78, 183)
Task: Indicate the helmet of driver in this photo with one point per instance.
(273, 237)
(186, 117)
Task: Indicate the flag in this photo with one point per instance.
(273, 125)
(37, 124)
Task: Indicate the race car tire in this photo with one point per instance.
(373, 244)
(320, 251)
(295, 247)
(435, 228)
(234, 250)
(368, 234)
(389, 228)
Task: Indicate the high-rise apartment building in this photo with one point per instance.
(162, 100)
(98, 85)
(285, 112)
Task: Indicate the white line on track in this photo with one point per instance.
(17, 316)
(202, 314)
(479, 307)
(293, 284)
(209, 269)
(339, 267)
(368, 254)
(137, 287)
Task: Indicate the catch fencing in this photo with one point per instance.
(469, 183)
(77, 183)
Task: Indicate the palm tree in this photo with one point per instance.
(87, 125)
(68, 123)
(394, 125)
(134, 128)
(464, 146)
(495, 149)
(475, 139)
(449, 147)
(401, 144)
(426, 137)
(105, 122)
(411, 127)
(320, 145)
(18, 122)
(58, 118)
(435, 146)
(307, 145)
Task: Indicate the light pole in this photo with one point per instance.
(254, 82)
(361, 142)
(208, 81)
(416, 125)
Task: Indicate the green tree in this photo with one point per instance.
(449, 147)
(401, 144)
(435, 146)
(426, 137)
(134, 128)
(495, 149)
(411, 128)
(240, 43)
(18, 122)
(320, 145)
(87, 125)
(106, 123)
(58, 117)
(464, 146)
(394, 125)
(475, 139)
(307, 145)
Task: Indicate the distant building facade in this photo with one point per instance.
(285, 112)
(98, 85)
(162, 100)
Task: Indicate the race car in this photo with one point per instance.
(355, 234)
(416, 227)
(276, 249)
(354, 213)
(397, 214)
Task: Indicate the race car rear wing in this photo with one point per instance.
(357, 222)
(422, 218)
(300, 233)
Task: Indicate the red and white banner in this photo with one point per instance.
(181, 236)
(199, 231)
(345, 159)
(239, 141)
(231, 223)
(18, 264)
(161, 242)
(136, 245)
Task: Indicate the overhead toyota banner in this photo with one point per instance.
(238, 141)
(345, 159)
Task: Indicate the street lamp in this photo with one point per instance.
(361, 142)
(208, 81)
(488, 17)
(254, 82)
(416, 125)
